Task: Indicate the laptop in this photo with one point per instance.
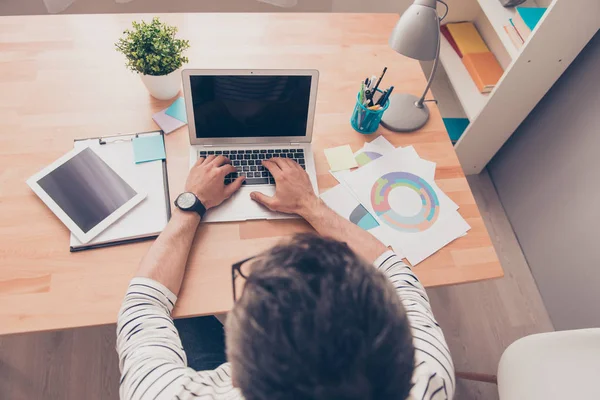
(250, 116)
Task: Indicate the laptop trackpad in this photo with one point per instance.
(241, 207)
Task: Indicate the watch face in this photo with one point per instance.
(186, 200)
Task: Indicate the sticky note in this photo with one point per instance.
(177, 110)
(148, 148)
(167, 124)
(340, 158)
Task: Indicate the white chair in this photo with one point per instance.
(556, 365)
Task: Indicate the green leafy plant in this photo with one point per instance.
(152, 49)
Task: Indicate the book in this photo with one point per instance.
(147, 219)
(526, 18)
(450, 39)
(484, 69)
(455, 127)
(467, 38)
(514, 36)
(512, 23)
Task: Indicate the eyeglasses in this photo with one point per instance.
(240, 269)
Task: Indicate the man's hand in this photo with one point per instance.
(293, 191)
(207, 180)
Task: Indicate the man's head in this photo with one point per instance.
(315, 321)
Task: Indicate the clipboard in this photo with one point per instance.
(148, 219)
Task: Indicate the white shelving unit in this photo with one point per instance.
(529, 72)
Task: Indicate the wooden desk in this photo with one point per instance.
(61, 79)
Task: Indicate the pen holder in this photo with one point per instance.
(364, 120)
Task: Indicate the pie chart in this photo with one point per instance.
(366, 157)
(361, 217)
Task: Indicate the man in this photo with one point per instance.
(314, 320)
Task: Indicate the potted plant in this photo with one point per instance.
(153, 51)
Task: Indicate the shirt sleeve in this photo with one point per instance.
(433, 377)
(151, 358)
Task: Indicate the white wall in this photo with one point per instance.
(459, 9)
(547, 178)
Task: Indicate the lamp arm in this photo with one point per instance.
(419, 103)
(433, 70)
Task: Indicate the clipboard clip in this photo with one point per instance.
(129, 139)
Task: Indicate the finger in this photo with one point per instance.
(227, 169)
(297, 165)
(220, 160)
(209, 158)
(234, 186)
(199, 161)
(272, 167)
(291, 163)
(281, 162)
(263, 199)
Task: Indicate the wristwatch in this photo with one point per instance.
(187, 201)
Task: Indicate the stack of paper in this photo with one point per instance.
(394, 196)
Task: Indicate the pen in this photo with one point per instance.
(380, 78)
(385, 96)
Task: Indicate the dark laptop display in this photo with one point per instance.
(250, 105)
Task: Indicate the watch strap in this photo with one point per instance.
(199, 207)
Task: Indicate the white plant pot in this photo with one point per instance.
(163, 87)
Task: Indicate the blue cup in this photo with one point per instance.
(364, 120)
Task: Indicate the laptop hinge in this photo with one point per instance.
(295, 144)
(208, 145)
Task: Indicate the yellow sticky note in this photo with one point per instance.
(340, 158)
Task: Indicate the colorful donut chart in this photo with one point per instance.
(419, 222)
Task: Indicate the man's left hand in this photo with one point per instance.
(207, 180)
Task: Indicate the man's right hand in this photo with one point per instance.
(294, 193)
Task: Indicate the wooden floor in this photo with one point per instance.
(479, 320)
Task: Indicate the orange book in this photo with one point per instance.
(484, 69)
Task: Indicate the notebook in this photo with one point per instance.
(450, 39)
(514, 36)
(148, 218)
(526, 19)
(467, 38)
(484, 69)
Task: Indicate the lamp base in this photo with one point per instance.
(403, 115)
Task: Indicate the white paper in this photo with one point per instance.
(382, 143)
(373, 150)
(341, 200)
(414, 211)
(147, 218)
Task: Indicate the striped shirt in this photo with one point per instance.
(153, 363)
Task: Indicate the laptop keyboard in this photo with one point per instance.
(248, 163)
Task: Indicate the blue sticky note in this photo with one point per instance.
(148, 148)
(177, 110)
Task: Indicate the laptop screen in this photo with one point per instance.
(250, 105)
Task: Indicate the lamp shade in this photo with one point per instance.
(417, 32)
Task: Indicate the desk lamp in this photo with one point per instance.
(416, 35)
